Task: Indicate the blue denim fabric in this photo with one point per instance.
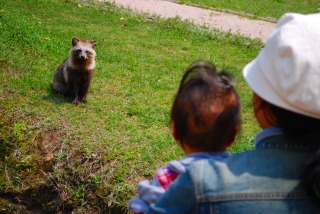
(150, 191)
(263, 180)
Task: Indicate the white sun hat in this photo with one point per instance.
(286, 72)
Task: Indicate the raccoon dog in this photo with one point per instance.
(74, 74)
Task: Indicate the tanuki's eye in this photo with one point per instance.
(87, 52)
(78, 51)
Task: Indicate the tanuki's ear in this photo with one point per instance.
(75, 41)
(93, 43)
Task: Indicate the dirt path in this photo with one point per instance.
(204, 17)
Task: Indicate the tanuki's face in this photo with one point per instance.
(83, 49)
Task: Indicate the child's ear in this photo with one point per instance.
(174, 133)
(230, 142)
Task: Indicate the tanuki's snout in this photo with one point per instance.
(83, 55)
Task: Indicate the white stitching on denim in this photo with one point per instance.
(253, 196)
(282, 144)
(201, 167)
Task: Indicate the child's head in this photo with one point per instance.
(285, 78)
(206, 110)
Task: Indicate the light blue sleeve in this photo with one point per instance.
(137, 205)
(148, 192)
(178, 198)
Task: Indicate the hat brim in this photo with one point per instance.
(256, 80)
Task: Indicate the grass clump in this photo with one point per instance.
(60, 158)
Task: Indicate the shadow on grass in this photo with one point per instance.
(44, 200)
(55, 97)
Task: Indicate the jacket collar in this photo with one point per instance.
(273, 138)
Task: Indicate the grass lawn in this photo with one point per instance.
(59, 157)
(273, 9)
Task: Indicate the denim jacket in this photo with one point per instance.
(263, 180)
(150, 191)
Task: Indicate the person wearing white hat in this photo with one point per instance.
(282, 173)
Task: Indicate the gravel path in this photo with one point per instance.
(204, 17)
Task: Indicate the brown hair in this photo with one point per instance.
(293, 125)
(206, 109)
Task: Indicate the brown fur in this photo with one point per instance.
(74, 75)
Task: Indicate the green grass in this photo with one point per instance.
(59, 157)
(273, 9)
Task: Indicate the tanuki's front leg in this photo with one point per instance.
(73, 92)
(84, 89)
